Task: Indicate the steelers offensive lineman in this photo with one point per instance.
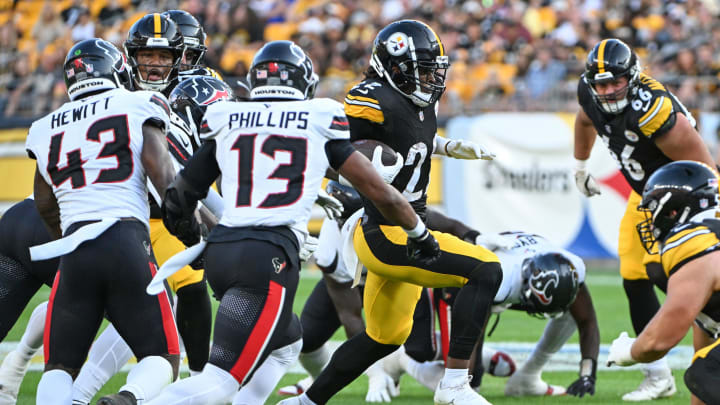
(272, 154)
(396, 105)
(91, 190)
(680, 202)
(644, 127)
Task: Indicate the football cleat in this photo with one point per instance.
(296, 389)
(520, 385)
(461, 394)
(652, 387)
(121, 398)
(497, 363)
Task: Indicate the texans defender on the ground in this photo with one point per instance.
(644, 126)
(396, 105)
(680, 204)
(92, 190)
(272, 153)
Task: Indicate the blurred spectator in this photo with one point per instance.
(111, 13)
(84, 28)
(544, 74)
(71, 14)
(20, 86)
(48, 27)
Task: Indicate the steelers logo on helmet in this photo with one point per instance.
(397, 44)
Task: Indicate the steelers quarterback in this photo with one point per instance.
(644, 126)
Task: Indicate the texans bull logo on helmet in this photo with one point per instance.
(542, 283)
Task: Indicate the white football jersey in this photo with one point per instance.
(89, 151)
(329, 247)
(525, 246)
(272, 158)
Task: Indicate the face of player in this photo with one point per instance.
(613, 90)
(154, 64)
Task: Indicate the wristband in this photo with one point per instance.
(470, 236)
(418, 230)
(580, 165)
(588, 367)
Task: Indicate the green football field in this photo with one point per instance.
(610, 304)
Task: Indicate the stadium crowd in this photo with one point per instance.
(506, 55)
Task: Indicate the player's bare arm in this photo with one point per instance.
(687, 294)
(47, 205)
(583, 313)
(347, 304)
(584, 136)
(360, 172)
(682, 142)
(155, 157)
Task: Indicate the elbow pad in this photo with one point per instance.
(178, 210)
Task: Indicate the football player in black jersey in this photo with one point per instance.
(644, 126)
(396, 104)
(680, 202)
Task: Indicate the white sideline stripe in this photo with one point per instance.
(567, 359)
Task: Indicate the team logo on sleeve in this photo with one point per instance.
(339, 123)
(397, 44)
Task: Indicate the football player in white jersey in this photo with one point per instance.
(272, 154)
(92, 191)
(545, 281)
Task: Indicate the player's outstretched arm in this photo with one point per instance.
(584, 135)
(47, 205)
(583, 313)
(155, 157)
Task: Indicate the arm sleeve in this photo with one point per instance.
(158, 111)
(337, 151)
(202, 170)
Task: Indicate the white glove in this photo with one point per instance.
(620, 351)
(493, 241)
(332, 206)
(460, 149)
(584, 181)
(308, 248)
(387, 173)
(381, 387)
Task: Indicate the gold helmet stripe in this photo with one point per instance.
(437, 38)
(601, 56)
(158, 25)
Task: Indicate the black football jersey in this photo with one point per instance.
(687, 242)
(630, 136)
(377, 111)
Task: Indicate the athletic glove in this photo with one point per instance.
(424, 249)
(586, 383)
(584, 181)
(387, 173)
(308, 248)
(332, 206)
(186, 229)
(460, 149)
(493, 241)
(620, 351)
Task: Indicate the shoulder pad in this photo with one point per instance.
(330, 119)
(686, 242)
(652, 105)
(363, 101)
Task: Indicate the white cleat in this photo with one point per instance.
(652, 387)
(381, 387)
(12, 371)
(461, 394)
(297, 389)
(393, 364)
(290, 401)
(522, 385)
(497, 363)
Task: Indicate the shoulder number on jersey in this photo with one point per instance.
(119, 148)
(293, 172)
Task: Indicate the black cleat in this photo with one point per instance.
(121, 398)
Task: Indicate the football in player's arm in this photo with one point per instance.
(680, 202)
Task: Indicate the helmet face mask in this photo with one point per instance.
(94, 65)
(410, 57)
(281, 70)
(672, 196)
(550, 284)
(193, 37)
(159, 34)
(610, 61)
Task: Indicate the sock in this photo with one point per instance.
(556, 333)
(148, 377)
(268, 375)
(315, 361)
(213, 385)
(304, 400)
(477, 293)
(108, 354)
(194, 319)
(427, 373)
(32, 339)
(55, 387)
(454, 376)
(658, 368)
(643, 302)
(350, 360)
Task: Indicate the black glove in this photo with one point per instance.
(423, 249)
(586, 383)
(199, 262)
(186, 229)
